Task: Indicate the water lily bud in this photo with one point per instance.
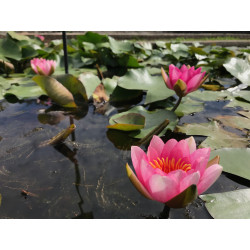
(42, 66)
(192, 78)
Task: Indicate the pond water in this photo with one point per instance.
(84, 177)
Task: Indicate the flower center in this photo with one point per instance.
(167, 165)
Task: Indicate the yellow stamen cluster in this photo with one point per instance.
(167, 165)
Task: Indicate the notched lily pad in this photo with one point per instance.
(228, 205)
(128, 122)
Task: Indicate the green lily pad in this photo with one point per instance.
(9, 49)
(140, 79)
(24, 91)
(17, 36)
(128, 122)
(92, 37)
(208, 95)
(109, 85)
(55, 90)
(228, 205)
(216, 136)
(239, 68)
(234, 160)
(119, 47)
(74, 85)
(90, 82)
(152, 120)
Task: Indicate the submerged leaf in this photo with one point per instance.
(228, 205)
(60, 137)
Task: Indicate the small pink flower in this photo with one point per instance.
(183, 80)
(42, 66)
(40, 37)
(166, 170)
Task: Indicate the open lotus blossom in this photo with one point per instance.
(42, 66)
(166, 171)
(183, 80)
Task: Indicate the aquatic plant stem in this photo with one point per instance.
(165, 213)
(66, 66)
(177, 104)
(155, 131)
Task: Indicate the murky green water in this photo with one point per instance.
(85, 178)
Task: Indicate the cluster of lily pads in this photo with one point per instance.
(110, 73)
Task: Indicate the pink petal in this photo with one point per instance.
(189, 180)
(181, 150)
(137, 154)
(177, 176)
(162, 188)
(166, 79)
(183, 68)
(210, 175)
(174, 75)
(157, 144)
(194, 82)
(170, 144)
(191, 144)
(200, 153)
(146, 171)
(185, 76)
(152, 154)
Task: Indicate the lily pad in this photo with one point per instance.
(234, 161)
(90, 82)
(9, 49)
(239, 68)
(140, 79)
(55, 90)
(119, 47)
(152, 120)
(216, 136)
(128, 122)
(238, 122)
(228, 205)
(74, 85)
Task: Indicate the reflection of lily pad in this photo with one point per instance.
(152, 120)
(140, 79)
(228, 205)
(216, 136)
(234, 161)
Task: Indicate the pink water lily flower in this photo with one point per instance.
(167, 170)
(183, 80)
(42, 66)
(40, 37)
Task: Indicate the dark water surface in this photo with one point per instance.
(85, 178)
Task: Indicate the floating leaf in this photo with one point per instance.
(119, 47)
(216, 136)
(60, 137)
(9, 49)
(234, 161)
(152, 120)
(140, 79)
(228, 205)
(239, 68)
(128, 122)
(90, 82)
(17, 36)
(208, 95)
(244, 113)
(55, 90)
